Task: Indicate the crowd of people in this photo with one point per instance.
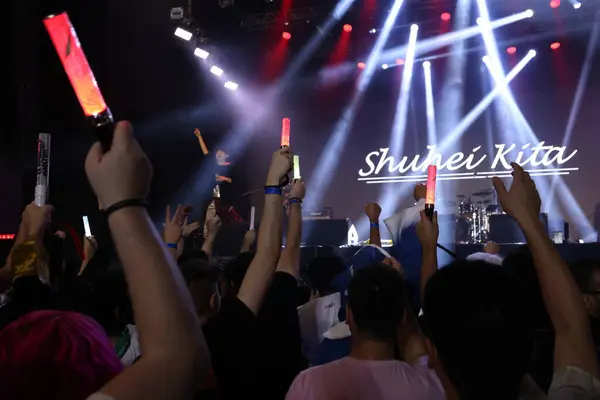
(143, 316)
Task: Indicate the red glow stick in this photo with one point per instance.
(285, 132)
(430, 196)
(80, 74)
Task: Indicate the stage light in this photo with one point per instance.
(183, 34)
(446, 16)
(348, 28)
(414, 27)
(485, 59)
(577, 5)
(400, 61)
(555, 46)
(7, 236)
(231, 85)
(372, 31)
(532, 53)
(479, 20)
(216, 70)
(426, 65)
(361, 65)
(554, 3)
(529, 13)
(286, 35)
(201, 53)
(511, 50)
(384, 66)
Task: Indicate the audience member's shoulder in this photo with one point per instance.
(571, 383)
(99, 396)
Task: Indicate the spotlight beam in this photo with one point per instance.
(431, 128)
(432, 44)
(331, 156)
(581, 86)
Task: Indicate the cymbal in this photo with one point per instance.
(486, 192)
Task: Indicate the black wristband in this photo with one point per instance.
(124, 204)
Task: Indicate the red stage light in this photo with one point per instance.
(348, 28)
(361, 65)
(555, 46)
(446, 16)
(555, 3)
(286, 35)
(400, 61)
(7, 237)
(511, 50)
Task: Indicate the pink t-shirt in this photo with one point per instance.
(350, 378)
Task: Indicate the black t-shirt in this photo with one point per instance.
(257, 357)
(234, 340)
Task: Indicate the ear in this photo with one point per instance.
(213, 301)
(349, 316)
(433, 354)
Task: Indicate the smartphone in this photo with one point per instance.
(86, 226)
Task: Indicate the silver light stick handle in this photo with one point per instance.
(43, 169)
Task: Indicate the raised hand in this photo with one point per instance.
(188, 229)
(173, 225)
(213, 224)
(298, 189)
(122, 173)
(89, 247)
(281, 165)
(373, 211)
(522, 201)
(36, 219)
(197, 132)
(428, 231)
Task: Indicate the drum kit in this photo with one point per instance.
(473, 216)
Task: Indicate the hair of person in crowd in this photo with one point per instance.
(322, 270)
(376, 304)
(420, 191)
(55, 355)
(234, 272)
(477, 316)
(587, 277)
(203, 283)
(520, 264)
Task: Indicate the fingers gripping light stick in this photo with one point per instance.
(430, 196)
(82, 78)
(43, 169)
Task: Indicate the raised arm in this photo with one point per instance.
(411, 340)
(260, 271)
(428, 232)
(214, 226)
(373, 211)
(573, 345)
(174, 353)
(248, 241)
(201, 141)
(290, 256)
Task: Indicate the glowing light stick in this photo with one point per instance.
(252, 211)
(80, 74)
(285, 132)
(297, 167)
(86, 226)
(430, 197)
(43, 169)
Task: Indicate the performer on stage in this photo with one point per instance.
(220, 204)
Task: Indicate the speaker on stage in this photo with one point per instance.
(504, 229)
